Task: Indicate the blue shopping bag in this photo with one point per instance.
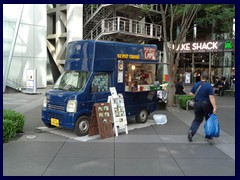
(212, 127)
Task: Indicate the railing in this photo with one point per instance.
(149, 7)
(14, 84)
(121, 24)
(92, 9)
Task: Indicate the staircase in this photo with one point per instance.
(94, 14)
(101, 22)
(117, 27)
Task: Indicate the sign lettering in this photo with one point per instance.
(128, 56)
(122, 56)
(211, 46)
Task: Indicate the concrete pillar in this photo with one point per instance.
(74, 22)
(165, 68)
(130, 25)
(195, 31)
(118, 24)
(151, 30)
(193, 68)
(103, 25)
(210, 68)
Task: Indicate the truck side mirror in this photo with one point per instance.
(94, 88)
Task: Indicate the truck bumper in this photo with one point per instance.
(65, 119)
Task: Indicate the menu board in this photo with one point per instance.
(118, 110)
(101, 121)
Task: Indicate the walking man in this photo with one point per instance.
(205, 104)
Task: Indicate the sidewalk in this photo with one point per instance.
(148, 150)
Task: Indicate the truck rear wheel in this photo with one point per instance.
(82, 126)
(142, 116)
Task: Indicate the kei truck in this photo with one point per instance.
(91, 68)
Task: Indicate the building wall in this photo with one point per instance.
(74, 22)
(64, 24)
(30, 49)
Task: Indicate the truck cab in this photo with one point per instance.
(92, 67)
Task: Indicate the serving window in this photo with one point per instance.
(139, 77)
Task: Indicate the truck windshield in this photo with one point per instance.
(72, 81)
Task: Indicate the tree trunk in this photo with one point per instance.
(171, 93)
(171, 84)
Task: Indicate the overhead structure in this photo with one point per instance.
(122, 22)
(135, 23)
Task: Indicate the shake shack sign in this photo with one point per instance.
(209, 46)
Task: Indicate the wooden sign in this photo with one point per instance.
(101, 121)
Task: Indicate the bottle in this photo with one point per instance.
(129, 77)
(130, 82)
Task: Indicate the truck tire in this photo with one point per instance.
(81, 126)
(142, 116)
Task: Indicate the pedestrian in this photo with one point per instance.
(217, 82)
(205, 104)
(223, 86)
(179, 89)
(198, 76)
(216, 85)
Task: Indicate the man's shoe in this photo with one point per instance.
(190, 136)
(209, 139)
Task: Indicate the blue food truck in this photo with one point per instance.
(92, 67)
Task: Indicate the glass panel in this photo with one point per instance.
(101, 82)
(72, 81)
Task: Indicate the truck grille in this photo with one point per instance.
(56, 116)
(56, 107)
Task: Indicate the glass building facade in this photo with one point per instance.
(28, 43)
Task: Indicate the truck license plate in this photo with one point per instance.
(54, 122)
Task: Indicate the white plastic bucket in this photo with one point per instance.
(160, 118)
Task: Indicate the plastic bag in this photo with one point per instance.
(191, 103)
(160, 118)
(212, 127)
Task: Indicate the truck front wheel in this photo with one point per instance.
(142, 116)
(82, 126)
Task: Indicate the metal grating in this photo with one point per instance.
(56, 107)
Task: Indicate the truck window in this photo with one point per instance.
(100, 83)
(72, 81)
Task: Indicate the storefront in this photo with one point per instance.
(215, 57)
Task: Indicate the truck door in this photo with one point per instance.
(100, 88)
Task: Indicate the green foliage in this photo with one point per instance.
(220, 14)
(9, 130)
(181, 9)
(183, 100)
(176, 98)
(16, 117)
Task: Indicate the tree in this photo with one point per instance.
(220, 17)
(184, 14)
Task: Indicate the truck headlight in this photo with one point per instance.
(72, 106)
(45, 102)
